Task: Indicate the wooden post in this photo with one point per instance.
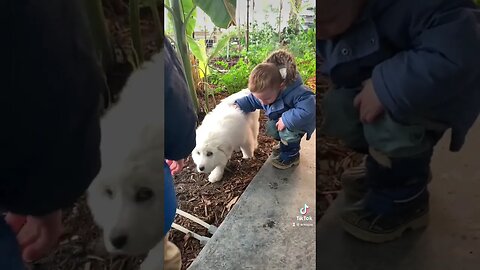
(280, 19)
(248, 22)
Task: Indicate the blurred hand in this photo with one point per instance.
(37, 236)
(176, 165)
(368, 104)
(280, 125)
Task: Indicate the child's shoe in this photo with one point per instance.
(354, 182)
(284, 164)
(276, 150)
(388, 223)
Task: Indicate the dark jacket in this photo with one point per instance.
(180, 116)
(295, 104)
(180, 125)
(49, 103)
(422, 56)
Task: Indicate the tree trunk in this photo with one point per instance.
(293, 16)
(280, 18)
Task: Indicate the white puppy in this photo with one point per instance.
(126, 198)
(225, 129)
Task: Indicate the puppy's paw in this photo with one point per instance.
(215, 177)
(249, 155)
(246, 154)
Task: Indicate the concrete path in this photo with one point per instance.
(451, 242)
(262, 230)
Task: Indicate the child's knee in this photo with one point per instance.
(291, 136)
(271, 129)
(341, 118)
(399, 140)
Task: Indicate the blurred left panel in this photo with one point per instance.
(84, 181)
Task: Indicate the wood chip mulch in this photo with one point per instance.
(212, 202)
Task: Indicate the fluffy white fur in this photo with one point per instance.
(224, 130)
(126, 198)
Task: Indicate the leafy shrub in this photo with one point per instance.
(236, 79)
(264, 40)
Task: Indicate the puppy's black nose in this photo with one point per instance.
(201, 168)
(119, 241)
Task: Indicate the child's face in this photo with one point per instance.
(267, 96)
(334, 17)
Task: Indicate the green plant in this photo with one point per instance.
(261, 34)
(222, 64)
(198, 49)
(236, 79)
(222, 14)
(264, 40)
(302, 47)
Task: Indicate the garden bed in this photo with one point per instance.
(212, 202)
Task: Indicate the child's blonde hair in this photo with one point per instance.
(263, 76)
(269, 73)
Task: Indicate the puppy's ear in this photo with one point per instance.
(225, 148)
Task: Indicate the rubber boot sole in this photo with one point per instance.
(375, 237)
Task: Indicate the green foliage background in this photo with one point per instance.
(264, 39)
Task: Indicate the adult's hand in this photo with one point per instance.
(176, 165)
(37, 236)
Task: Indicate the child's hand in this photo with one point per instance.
(280, 125)
(368, 103)
(176, 165)
(37, 236)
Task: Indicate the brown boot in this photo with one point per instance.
(172, 257)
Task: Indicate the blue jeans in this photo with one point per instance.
(289, 140)
(170, 199)
(10, 257)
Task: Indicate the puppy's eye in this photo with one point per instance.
(143, 194)
(108, 191)
(209, 154)
(198, 152)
